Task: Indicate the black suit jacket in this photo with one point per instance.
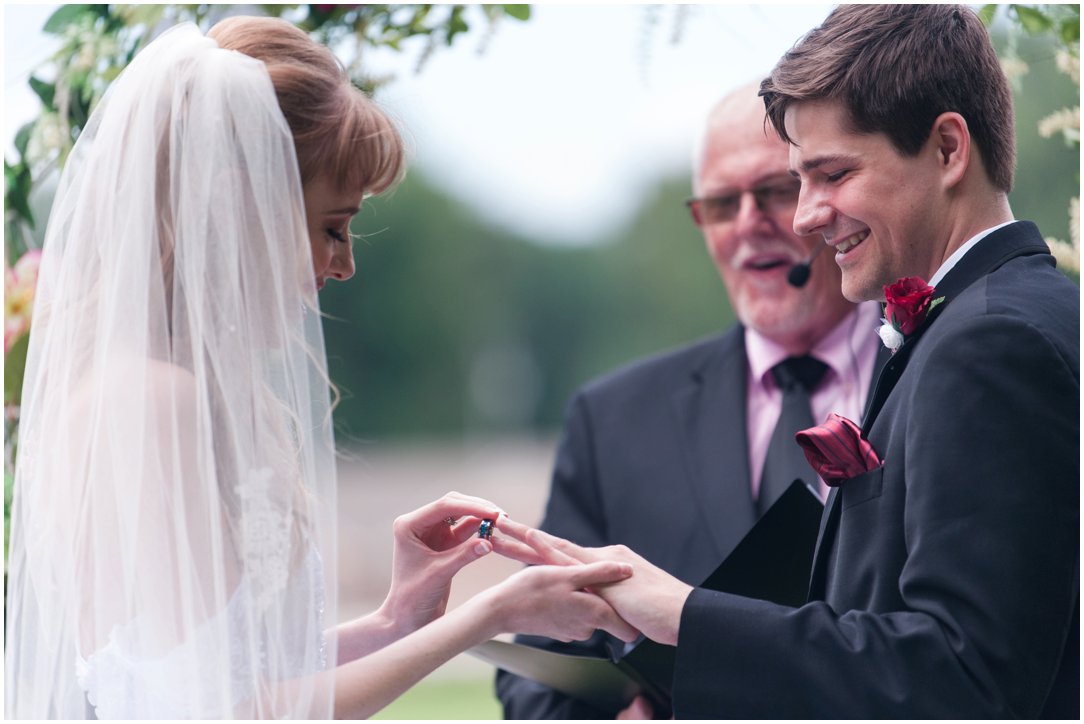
(945, 583)
(654, 456)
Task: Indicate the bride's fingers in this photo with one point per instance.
(457, 525)
(598, 573)
(608, 620)
(464, 528)
(466, 552)
(586, 577)
(449, 509)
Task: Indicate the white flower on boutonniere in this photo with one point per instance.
(891, 336)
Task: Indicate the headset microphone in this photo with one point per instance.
(799, 273)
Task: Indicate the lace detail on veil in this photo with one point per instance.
(265, 538)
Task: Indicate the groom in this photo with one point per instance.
(946, 579)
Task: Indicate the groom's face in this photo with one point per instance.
(882, 212)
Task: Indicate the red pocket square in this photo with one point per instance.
(837, 450)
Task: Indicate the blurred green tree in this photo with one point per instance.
(456, 327)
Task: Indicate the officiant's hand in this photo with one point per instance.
(431, 545)
(650, 599)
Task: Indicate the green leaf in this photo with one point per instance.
(456, 24)
(46, 91)
(519, 12)
(65, 16)
(22, 137)
(1034, 21)
(17, 183)
(14, 365)
(79, 106)
(1070, 31)
(9, 487)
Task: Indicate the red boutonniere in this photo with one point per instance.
(837, 450)
(907, 303)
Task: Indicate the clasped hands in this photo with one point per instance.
(567, 592)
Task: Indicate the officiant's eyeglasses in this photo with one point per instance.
(773, 198)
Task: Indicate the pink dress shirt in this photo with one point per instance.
(849, 350)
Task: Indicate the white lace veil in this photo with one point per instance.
(173, 529)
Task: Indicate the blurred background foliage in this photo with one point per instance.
(455, 327)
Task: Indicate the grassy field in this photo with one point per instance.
(443, 698)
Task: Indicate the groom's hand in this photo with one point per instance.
(650, 599)
(638, 708)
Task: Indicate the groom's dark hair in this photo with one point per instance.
(894, 69)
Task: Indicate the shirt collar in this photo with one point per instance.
(957, 255)
(835, 349)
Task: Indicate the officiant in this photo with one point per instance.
(676, 456)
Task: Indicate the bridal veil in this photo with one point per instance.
(173, 529)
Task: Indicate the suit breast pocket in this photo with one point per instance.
(862, 488)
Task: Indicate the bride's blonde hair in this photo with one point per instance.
(337, 129)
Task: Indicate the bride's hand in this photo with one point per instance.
(428, 552)
(553, 601)
(651, 600)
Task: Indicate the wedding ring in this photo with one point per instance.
(485, 530)
(450, 520)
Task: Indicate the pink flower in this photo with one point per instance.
(20, 282)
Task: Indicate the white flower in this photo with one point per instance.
(1014, 68)
(84, 60)
(45, 139)
(1065, 254)
(1074, 222)
(1066, 121)
(891, 336)
(1069, 64)
(1068, 253)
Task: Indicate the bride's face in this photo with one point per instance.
(328, 211)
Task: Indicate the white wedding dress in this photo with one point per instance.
(121, 682)
(173, 529)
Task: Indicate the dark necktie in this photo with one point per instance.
(797, 377)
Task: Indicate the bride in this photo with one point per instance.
(173, 529)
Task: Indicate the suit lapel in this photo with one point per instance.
(827, 534)
(711, 414)
(1017, 239)
(830, 518)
